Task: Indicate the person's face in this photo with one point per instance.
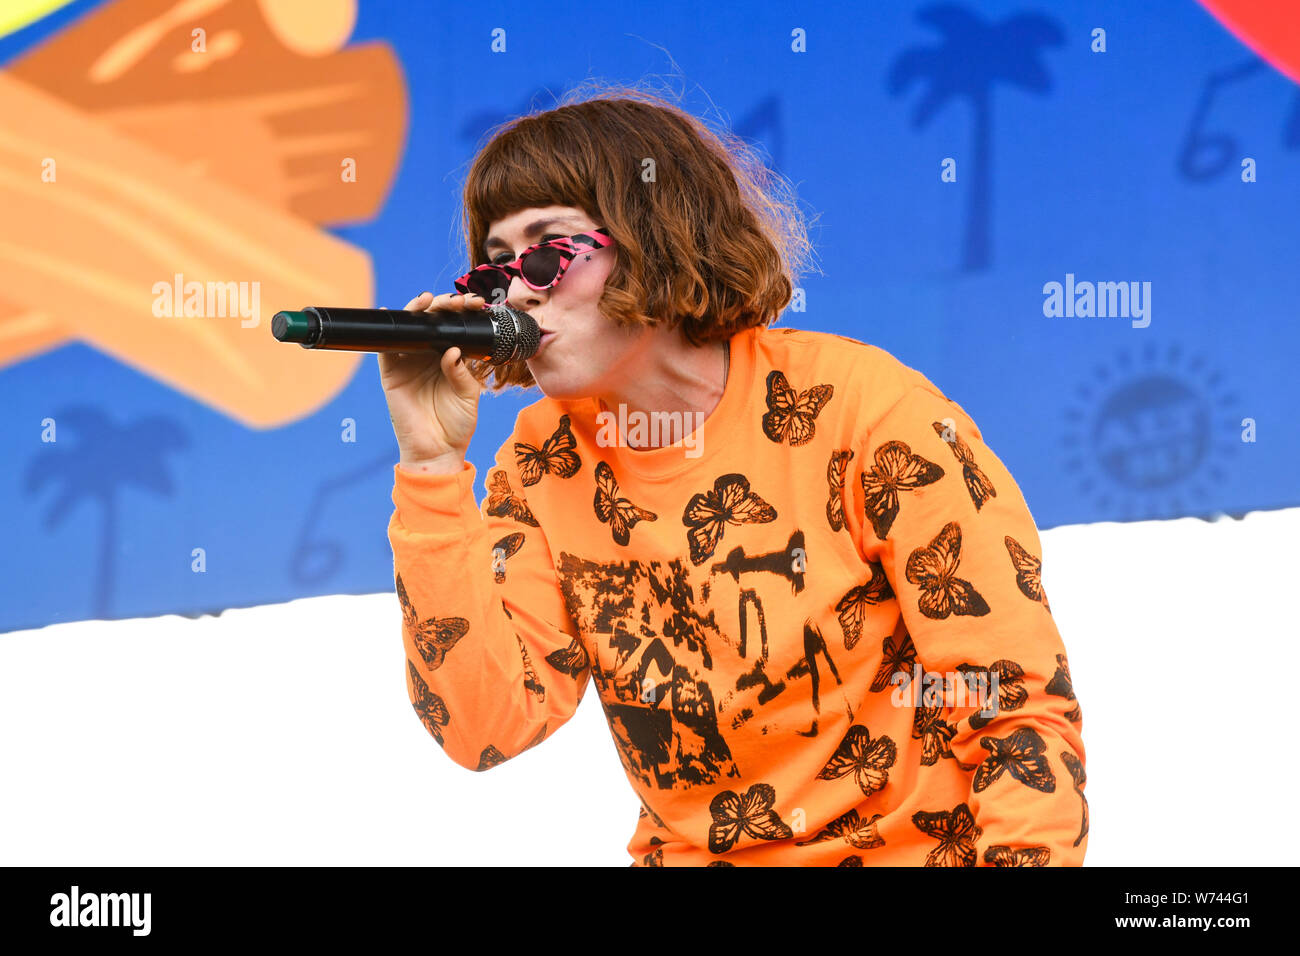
(580, 346)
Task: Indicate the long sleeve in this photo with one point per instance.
(960, 549)
(494, 662)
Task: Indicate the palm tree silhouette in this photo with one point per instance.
(973, 56)
(103, 459)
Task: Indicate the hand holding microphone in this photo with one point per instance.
(432, 397)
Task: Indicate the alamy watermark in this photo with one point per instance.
(1098, 299)
(208, 300)
(651, 429)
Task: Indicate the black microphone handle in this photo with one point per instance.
(497, 334)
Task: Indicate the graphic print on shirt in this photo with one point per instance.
(867, 759)
(502, 550)
(619, 513)
(707, 514)
(790, 415)
(1011, 690)
(896, 469)
(1022, 856)
(1061, 686)
(933, 569)
(503, 503)
(852, 608)
(749, 815)
(558, 456)
(434, 637)
(433, 712)
(956, 832)
(1022, 754)
(977, 483)
(852, 829)
(1029, 571)
(1080, 777)
(836, 469)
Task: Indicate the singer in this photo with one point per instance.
(750, 602)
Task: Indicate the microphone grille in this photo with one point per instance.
(518, 336)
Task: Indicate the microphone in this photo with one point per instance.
(498, 334)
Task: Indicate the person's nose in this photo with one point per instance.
(522, 296)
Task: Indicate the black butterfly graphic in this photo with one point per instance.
(531, 683)
(835, 471)
(977, 483)
(790, 416)
(851, 828)
(707, 515)
(1061, 686)
(502, 550)
(571, 660)
(896, 658)
(853, 860)
(896, 469)
(956, 832)
(751, 814)
(867, 759)
(1022, 754)
(721, 863)
(852, 608)
(934, 570)
(1077, 774)
(537, 737)
(489, 758)
(1021, 856)
(558, 456)
(502, 503)
(1028, 571)
(433, 712)
(654, 858)
(434, 637)
(935, 733)
(619, 513)
(1011, 690)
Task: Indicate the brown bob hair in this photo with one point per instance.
(714, 241)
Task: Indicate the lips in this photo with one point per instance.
(547, 335)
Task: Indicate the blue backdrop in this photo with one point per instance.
(1116, 166)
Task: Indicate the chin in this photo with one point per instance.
(560, 387)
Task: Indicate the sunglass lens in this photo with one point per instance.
(490, 284)
(541, 266)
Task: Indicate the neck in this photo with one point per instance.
(683, 382)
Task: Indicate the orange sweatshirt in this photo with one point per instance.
(815, 624)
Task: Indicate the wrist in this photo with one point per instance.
(449, 464)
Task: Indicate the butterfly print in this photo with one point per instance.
(852, 830)
(654, 858)
(571, 660)
(1022, 754)
(835, 470)
(956, 832)
(751, 814)
(789, 415)
(619, 513)
(929, 727)
(721, 863)
(896, 469)
(896, 658)
(867, 759)
(1021, 856)
(1028, 571)
(436, 636)
(433, 712)
(502, 503)
(1011, 690)
(707, 515)
(502, 550)
(852, 608)
(489, 758)
(934, 570)
(557, 456)
(531, 683)
(853, 860)
(977, 483)
(537, 737)
(1061, 686)
(1077, 774)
